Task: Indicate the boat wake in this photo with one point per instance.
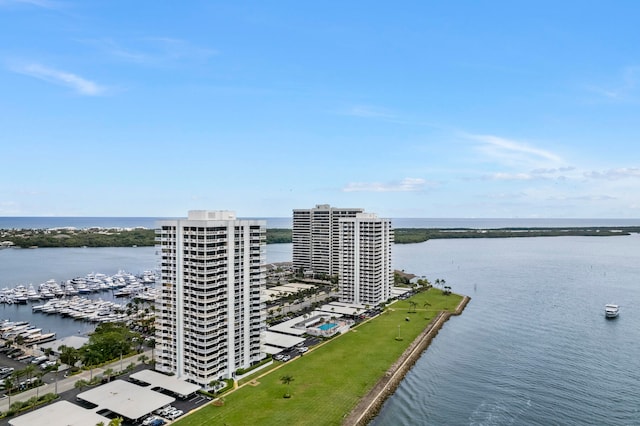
(501, 412)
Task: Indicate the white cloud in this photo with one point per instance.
(75, 82)
(509, 176)
(622, 89)
(515, 153)
(405, 185)
(153, 50)
(582, 198)
(552, 171)
(367, 111)
(536, 174)
(504, 195)
(615, 174)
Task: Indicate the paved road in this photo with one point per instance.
(64, 384)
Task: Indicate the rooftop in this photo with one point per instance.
(62, 413)
(170, 383)
(125, 399)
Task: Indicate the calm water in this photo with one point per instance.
(34, 266)
(533, 346)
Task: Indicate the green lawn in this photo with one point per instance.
(328, 381)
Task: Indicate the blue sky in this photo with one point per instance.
(503, 109)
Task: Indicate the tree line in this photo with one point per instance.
(146, 237)
(102, 237)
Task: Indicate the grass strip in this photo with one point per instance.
(329, 380)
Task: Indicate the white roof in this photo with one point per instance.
(398, 291)
(282, 340)
(283, 289)
(269, 292)
(338, 309)
(71, 341)
(270, 349)
(62, 413)
(170, 383)
(126, 399)
(299, 286)
(287, 327)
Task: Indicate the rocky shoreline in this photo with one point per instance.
(370, 404)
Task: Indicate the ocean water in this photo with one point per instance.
(533, 346)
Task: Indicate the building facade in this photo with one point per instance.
(210, 318)
(365, 275)
(316, 238)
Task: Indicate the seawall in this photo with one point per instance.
(371, 403)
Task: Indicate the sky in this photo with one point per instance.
(449, 109)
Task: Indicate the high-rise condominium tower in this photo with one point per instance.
(210, 319)
(365, 276)
(316, 237)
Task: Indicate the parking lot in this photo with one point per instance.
(184, 405)
(299, 350)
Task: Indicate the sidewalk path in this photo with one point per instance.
(68, 383)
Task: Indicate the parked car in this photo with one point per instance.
(149, 420)
(166, 410)
(175, 414)
(39, 360)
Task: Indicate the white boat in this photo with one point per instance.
(611, 310)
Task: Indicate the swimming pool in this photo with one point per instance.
(327, 326)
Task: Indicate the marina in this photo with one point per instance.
(24, 333)
(122, 284)
(35, 314)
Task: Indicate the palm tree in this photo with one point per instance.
(29, 370)
(69, 355)
(39, 375)
(286, 380)
(9, 384)
(108, 373)
(425, 308)
(412, 305)
(214, 383)
(16, 377)
(80, 384)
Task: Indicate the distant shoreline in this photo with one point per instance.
(141, 237)
(418, 235)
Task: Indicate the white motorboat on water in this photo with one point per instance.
(611, 310)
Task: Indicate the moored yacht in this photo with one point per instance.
(611, 310)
